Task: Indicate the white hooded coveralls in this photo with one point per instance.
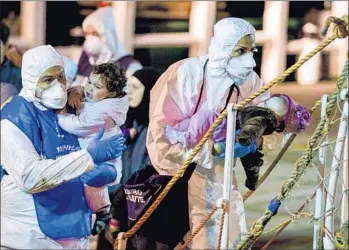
(26, 169)
(102, 20)
(173, 100)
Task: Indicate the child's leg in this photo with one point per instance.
(96, 198)
(99, 203)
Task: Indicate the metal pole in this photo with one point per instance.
(329, 221)
(319, 198)
(228, 172)
(345, 186)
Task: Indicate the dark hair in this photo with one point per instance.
(4, 32)
(113, 76)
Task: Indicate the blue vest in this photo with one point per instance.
(62, 211)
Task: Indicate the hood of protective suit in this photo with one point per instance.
(70, 69)
(227, 34)
(35, 62)
(103, 21)
(223, 70)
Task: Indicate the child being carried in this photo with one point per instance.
(280, 114)
(104, 109)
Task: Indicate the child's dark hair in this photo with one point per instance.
(113, 76)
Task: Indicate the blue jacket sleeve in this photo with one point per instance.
(101, 175)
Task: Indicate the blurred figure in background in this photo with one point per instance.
(102, 45)
(10, 74)
(136, 155)
(70, 69)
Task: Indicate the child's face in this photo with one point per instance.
(279, 106)
(95, 89)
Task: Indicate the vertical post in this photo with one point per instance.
(329, 221)
(201, 21)
(275, 23)
(228, 172)
(345, 185)
(33, 22)
(319, 198)
(125, 21)
(337, 57)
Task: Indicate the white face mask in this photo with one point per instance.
(93, 45)
(55, 97)
(241, 67)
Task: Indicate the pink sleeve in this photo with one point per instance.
(198, 126)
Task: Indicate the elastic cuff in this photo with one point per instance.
(90, 163)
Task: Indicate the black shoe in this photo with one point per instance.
(103, 218)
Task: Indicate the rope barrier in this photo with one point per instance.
(201, 225)
(302, 163)
(338, 33)
(224, 207)
(286, 223)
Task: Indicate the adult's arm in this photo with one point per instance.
(100, 176)
(172, 100)
(31, 173)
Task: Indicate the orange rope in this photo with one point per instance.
(201, 225)
(224, 207)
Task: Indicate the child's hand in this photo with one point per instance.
(62, 111)
(75, 97)
(133, 133)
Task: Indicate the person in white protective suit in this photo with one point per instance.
(102, 45)
(225, 75)
(43, 168)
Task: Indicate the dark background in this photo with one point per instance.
(63, 16)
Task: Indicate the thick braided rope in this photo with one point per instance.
(116, 244)
(219, 119)
(303, 162)
(300, 209)
(329, 125)
(197, 230)
(277, 158)
(224, 208)
(307, 156)
(290, 70)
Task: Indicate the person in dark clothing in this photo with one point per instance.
(10, 75)
(135, 157)
(137, 120)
